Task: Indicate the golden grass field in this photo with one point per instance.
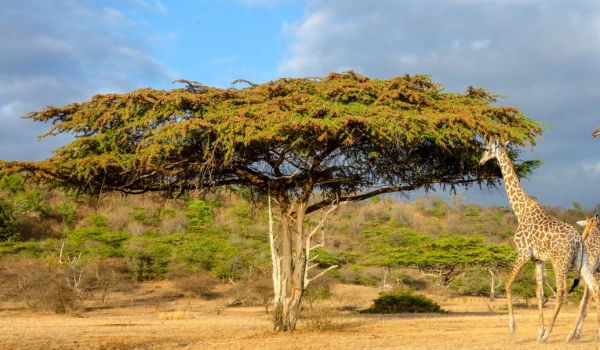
(149, 322)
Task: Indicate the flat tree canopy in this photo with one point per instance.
(345, 135)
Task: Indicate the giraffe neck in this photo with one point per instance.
(519, 200)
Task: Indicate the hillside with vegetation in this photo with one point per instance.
(59, 249)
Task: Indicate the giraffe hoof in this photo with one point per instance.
(541, 332)
(512, 326)
(544, 337)
(574, 335)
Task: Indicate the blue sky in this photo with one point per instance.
(544, 55)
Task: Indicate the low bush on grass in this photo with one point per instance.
(394, 302)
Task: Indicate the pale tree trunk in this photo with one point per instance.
(289, 257)
(275, 258)
(287, 310)
(386, 272)
(492, 285)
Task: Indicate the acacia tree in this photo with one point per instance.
(306, 142)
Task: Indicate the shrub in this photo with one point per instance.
(402, 302)
(321, 317)
(107, 276)
(262, 290)
(200, 214)
(97, 220)
(320, 288)
(142, 216)
(40, 285)
(68, 211)
(8, 221)
(199, 284)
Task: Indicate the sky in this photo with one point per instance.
(542, 55)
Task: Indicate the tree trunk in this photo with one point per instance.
(492, 286)
(290, 257)
(288, 268)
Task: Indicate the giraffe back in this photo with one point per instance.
(545, 237)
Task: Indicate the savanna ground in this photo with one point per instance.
(155, 318)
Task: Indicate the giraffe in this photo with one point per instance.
(591, 236)
(541, 238)
(596, 133)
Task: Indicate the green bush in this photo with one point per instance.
(402, 302)
(142, 216)
(8, 221)
(200, 215)
(68, 211)
(242, 214)
(97, 220)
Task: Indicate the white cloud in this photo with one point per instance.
(543, 55)
(62, 52)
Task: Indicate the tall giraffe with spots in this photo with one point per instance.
(541, 238)
(591, 236)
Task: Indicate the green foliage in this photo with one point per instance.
(30, 249)
(68, 212)
(439, 208)
(96, 242)
(97, 220)
(472, 212)
(200, 215)
(324, 258)
(12, 183)
(449, 255)
(142, 216)
(375, 199)
(404, 130)
(149, 257)
(402, 302)
(23, 199)
(8, 221)
(242, 214)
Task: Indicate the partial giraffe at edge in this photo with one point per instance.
(540, 238)
(596, 133)
(591, 236)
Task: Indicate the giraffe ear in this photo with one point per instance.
(506, 143)
(582, 222)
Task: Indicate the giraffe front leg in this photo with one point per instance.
(539, 292)
(522, 259)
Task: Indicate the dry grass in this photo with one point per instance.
(175, 315)
(472, 324)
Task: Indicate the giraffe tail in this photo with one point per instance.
(575, 284)
(581, 262)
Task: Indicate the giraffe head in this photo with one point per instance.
(590, 224)
(492, 150)
(596, 133)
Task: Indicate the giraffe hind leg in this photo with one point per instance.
(578, 329)
(588, 276)
(560, 270)
(539, 279)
